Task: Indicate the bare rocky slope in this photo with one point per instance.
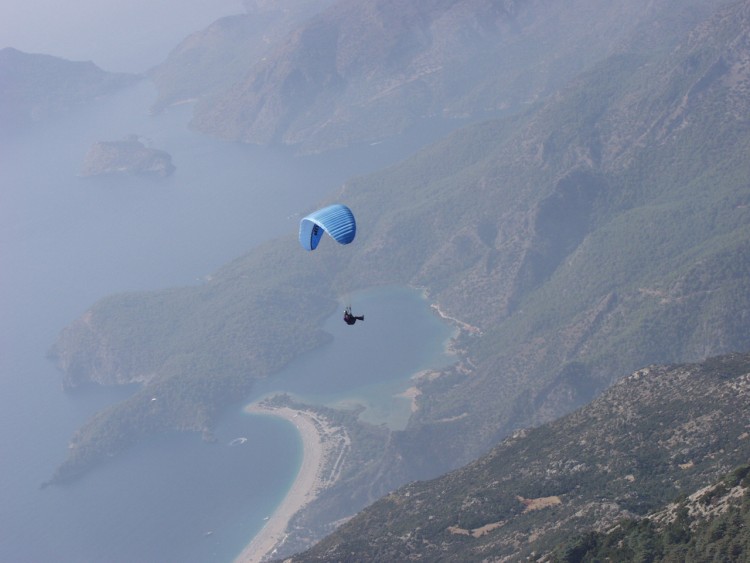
(662, 432)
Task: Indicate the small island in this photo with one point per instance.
(126, 157)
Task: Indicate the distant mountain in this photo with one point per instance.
(211, 60)
(34, 87)
(662, 432)
(604, 229)
(367, 69)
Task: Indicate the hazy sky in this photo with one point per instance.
(118, 35)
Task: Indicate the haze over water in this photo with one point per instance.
(118, 36)
(67, 241)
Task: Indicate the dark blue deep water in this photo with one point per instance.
(67, 241)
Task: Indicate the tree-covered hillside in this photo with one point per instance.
(604, 229)
(195, 350)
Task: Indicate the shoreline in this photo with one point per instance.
(473, 330)
(316, 434)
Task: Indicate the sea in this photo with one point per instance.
(67, 241)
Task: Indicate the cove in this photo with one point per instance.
(372, 363)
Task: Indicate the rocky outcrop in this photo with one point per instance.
(127, 157)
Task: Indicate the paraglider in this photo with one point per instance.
(337, 220)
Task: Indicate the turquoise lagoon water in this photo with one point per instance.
(371, 363)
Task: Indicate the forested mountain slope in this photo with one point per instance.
(605, 229)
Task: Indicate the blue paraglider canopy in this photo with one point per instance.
(337, 220)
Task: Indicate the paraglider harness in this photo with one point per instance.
(349, 318)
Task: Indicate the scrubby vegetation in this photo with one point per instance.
(691, 533)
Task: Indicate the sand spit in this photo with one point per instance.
(324, 449)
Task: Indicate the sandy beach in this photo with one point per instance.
(320, 444)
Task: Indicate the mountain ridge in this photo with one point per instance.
(34, 87)
(379, 69)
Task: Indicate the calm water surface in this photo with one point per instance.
(370, 363)
(67, 241)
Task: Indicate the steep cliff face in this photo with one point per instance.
(85, 356)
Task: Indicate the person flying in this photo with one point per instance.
(351, 319)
